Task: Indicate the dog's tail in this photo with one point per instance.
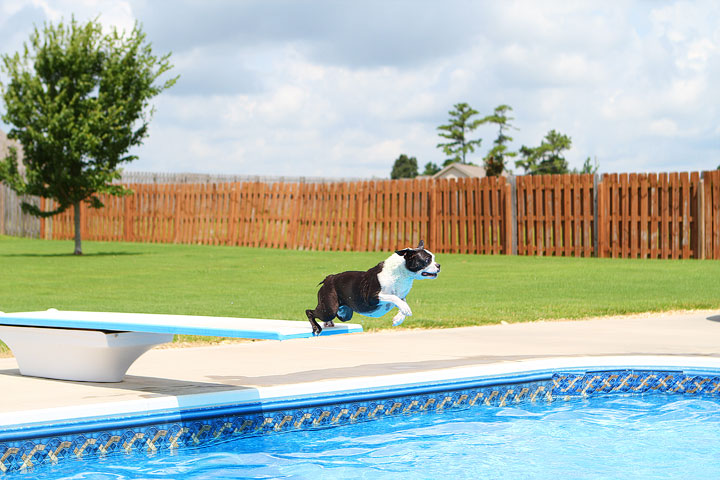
(325, 280)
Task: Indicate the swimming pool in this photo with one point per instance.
(159, 431)
(648, 436)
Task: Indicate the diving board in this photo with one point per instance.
(101, 346)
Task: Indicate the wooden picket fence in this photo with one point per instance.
(649, 215)
(465, 216)
(555, 215)
(674, 215)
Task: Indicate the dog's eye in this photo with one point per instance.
(419, 262)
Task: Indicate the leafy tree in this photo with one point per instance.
(494, 161)
(78, 101)
(548, 157)
(457, 130)
(404, 167)
(431, 168)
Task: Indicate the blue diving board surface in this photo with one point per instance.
(256, 328)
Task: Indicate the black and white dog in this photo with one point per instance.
(375, 292)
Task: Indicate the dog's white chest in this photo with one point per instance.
(394, 278)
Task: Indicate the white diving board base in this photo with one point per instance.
(101, 346)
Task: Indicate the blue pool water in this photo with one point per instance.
(649, 436)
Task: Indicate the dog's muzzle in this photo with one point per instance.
(432, 274)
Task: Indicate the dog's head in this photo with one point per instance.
(419, 261)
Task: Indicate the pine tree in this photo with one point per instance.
(548, 157)
(495, 159)
(457, 130)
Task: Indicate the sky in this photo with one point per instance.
(334, 88)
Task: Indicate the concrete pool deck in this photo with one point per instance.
(176, 372)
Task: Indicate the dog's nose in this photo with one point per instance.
(438, 266)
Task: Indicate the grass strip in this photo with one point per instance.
(281, 284)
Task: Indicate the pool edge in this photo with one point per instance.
(172, 422)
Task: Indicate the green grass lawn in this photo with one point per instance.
(281, 284)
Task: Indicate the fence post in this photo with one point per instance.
(176, 216)
(129, 200)
(296, 208)
(700, 219)
(511, 216)
(596, 216)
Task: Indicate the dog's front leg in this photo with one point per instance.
(398, 319)
(398, 302)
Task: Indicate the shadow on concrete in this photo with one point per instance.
(714, 318)
(374, 370)
(147, 387)
(151, 387)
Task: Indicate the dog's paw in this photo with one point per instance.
(329, 323)
(405, 309)
(398, 319)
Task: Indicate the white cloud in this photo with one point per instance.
(664, 126)
(342, 92)
(52, 14)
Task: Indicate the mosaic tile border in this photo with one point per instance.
(25, 454)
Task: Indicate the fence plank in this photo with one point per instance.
(693, 197)
(653, 214)
(560, 248)
(602, 205)
(579, 192)
(588, 201)
(507, 216)
(531, 212)
(675, 212)
(687, 216)
(522, 212)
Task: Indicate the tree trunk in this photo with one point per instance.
(78, 240)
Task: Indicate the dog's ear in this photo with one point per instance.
(403, 252)
(422, 245)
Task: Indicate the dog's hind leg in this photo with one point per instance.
(315, 326)
(344, 313)
(326, 310)
(321, 314)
